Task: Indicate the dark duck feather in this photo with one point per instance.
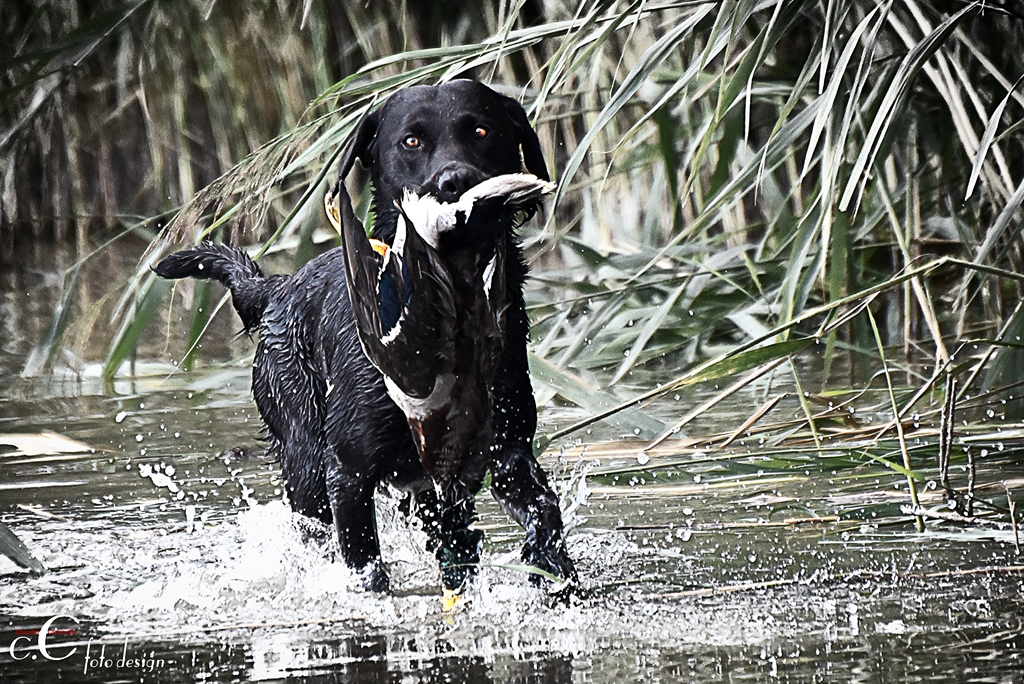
(430, 311)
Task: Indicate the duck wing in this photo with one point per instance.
(403, 302)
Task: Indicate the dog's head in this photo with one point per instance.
(441, 141)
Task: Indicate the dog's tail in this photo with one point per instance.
(232, 267)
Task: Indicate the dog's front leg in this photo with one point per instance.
(355, 519)
(517, 480)
(446, 522)
(520, 486)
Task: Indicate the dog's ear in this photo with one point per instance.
(359, 143)
(533, 158)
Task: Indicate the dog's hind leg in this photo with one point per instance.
(356, 521)
(304, 480)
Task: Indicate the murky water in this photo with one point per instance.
(172, 558)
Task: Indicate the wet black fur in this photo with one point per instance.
(328, 415)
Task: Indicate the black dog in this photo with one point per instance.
(329, 417)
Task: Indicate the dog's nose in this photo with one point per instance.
(451, 182)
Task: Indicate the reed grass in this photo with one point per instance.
(819, 190)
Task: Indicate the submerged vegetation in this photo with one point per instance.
(751, 193)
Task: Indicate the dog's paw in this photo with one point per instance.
(552, 558)
(374, 577)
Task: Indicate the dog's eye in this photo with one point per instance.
(411, 141)
(480, 132)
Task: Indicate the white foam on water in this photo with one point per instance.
(255, 568)
(276, 577)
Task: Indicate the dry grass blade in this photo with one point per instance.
(911, 485)
(946, 434)
(754, 418)
(15, 549)
(638, 75)
(647, 331)
(891, 101)
(718, 398)
(988, 137)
